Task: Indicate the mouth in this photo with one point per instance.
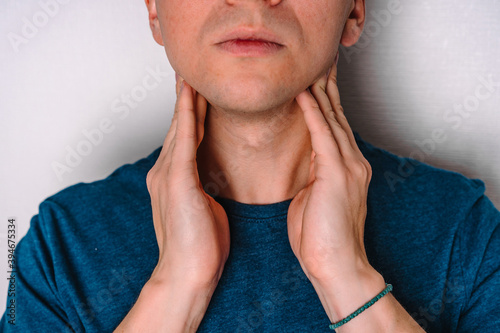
(250, 43)
(250, 47)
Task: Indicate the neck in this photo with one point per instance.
(255, 158)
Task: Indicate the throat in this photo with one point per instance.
(255, 162)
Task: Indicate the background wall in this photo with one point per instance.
(424, 81)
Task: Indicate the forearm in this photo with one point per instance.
(343, 297)
(167, 307)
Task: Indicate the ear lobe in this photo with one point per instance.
(354, 24)
(154, 23)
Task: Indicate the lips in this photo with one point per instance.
(261, 35)
(250, 43)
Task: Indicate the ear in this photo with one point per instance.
(354, 24)
(154, 24)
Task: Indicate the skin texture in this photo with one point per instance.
(255, 122)
(189, 30)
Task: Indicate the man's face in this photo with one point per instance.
(307, 31)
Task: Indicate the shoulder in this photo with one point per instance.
(405, 179)
(85, 210)
(128, 182)
(93, 244)
(425, 203)
(423, 218)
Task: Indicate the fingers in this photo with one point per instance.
(178, 82)
(186, 138)
(200, 106)
(312, 176)
(333, 94)
(318, 90)
(201, 112)
(171, 132)
(187, 125)
(324, 108)
(322, 140)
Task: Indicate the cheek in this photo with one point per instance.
(322, 27)
(311, 55)
(179, 33)
(322, 21)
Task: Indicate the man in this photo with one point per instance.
(269, 214)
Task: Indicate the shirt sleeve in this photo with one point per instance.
(32, 303)
(480, 262)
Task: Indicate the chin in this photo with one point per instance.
(247, 96)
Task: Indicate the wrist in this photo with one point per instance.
(164, 275)
(182, 305)
(345, 294)
(167, 305)
(182, 288)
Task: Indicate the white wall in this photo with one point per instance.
(422, 70)
(401, 83)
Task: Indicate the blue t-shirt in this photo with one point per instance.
(431, 233)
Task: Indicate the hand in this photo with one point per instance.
(191, 228)
(326, 218)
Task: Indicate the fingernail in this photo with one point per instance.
(337, 58)
(182, 86)
(176, 77)
(328, 73)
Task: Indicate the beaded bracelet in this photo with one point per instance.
(387, 289)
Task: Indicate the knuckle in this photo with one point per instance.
(150, 175)
(360, 169)
(369, 170)
(330, 114)
(325, 128)
(339, 113)
(332, 79)
(363, 171)
(153, 174)
(319, 86)
(150, 179)
(154, 177)
(315, 107)
(338, 128)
